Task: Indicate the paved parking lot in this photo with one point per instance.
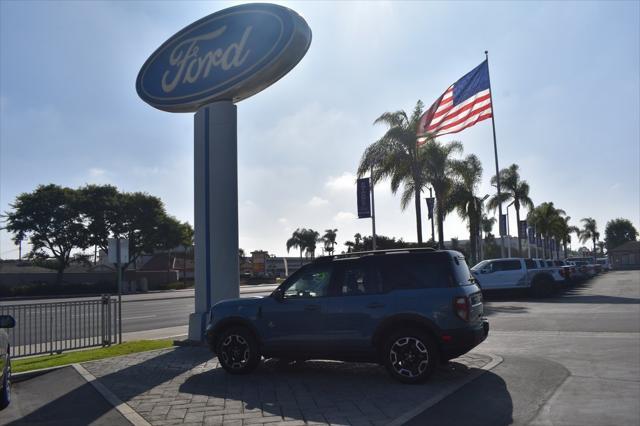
(187, 386)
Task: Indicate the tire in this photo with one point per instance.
(542, 287)
(237, 350)
(5, 393)
(410, 356)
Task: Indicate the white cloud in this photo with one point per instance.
(344, 217)
(317, 202)
(345, 182)
(283, 220)
(95, 172)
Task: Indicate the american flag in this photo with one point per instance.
(465, 103)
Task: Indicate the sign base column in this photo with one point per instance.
(216, 268)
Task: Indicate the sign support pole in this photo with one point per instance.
(216, 211)
(118, 265)
(373, 214)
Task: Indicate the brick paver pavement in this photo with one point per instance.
(186, 386)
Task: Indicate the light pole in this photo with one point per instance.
(433, 238)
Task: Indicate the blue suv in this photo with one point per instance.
(407, 309)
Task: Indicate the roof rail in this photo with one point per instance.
(356, 254)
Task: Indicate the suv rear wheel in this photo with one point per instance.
(410, 356)
(237, 350)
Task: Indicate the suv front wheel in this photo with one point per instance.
(410, 356)
(237, 350)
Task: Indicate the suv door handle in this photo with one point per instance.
(375, 305)
(312, 308)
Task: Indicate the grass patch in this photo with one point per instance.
(47, 361)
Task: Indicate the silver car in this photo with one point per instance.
(6, 321)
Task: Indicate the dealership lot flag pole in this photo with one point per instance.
(495, 151)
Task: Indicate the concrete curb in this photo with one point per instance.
(122, 407)
(26, 375)
(494, 362)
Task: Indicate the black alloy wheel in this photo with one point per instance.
(237, 351)
(411, 356)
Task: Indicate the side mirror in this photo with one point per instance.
(7, 321)
(278, 294)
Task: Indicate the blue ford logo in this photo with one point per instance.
(229, 55)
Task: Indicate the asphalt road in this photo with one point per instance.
(140, 312)
(572, 360)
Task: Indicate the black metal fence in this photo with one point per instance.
(48, 328)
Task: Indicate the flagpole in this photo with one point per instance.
(495, 152)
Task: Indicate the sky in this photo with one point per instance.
(566, 91)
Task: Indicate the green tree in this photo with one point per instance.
(51, 218)
(396, 156)
(329, 239)
(99, 206)
(512, 188)
(296, 241)
(358, 242)
(464, 197)
(588, 232)
(619, 231)
(439, 168)
(562, 231)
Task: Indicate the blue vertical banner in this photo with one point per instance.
(532, 236)
(503, 225)
(522, 229)
(364, 198)
(539, 240)
(430, 202)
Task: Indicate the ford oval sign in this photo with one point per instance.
(229, 55)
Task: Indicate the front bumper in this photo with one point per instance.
(459, 342)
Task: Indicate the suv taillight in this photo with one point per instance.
(462, 307)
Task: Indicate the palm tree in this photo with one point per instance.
(544, 217)
(563, 231)
(601, 246)
(487, 224)
(465, 200)
(329, 239)
(439, 170)
(588, 232)
(310, 238)
(396, 156)
(358, 240)
(512, 188)
(297, 241)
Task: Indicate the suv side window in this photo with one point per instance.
(506, 265)
(531, 264)
(310, 281)
(357, 278)
(415, 272)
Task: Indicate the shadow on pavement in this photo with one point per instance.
(83, 405)
(490, 405)
(75, 402)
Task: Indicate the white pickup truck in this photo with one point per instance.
(515, 273)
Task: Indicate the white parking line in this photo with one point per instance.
(141, 317)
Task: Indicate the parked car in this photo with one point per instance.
(408, 309)
(604, 262)
(515, 273)
(6, 321)
(585, 265)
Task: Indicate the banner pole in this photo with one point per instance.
(495, 150)
(373, 215)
